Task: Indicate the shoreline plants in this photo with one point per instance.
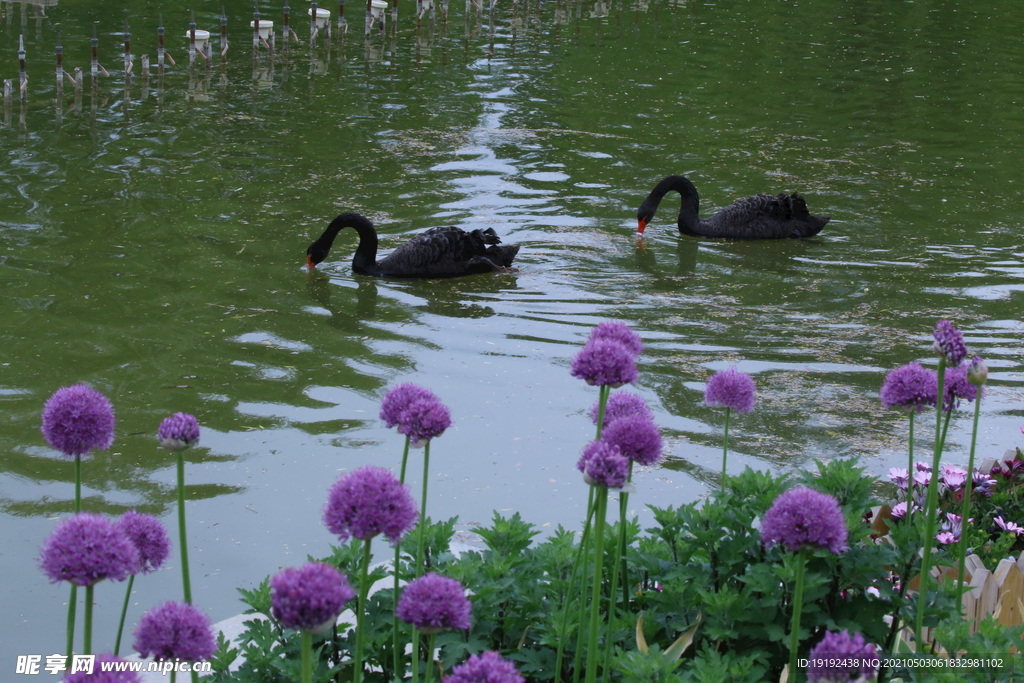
(806, 576)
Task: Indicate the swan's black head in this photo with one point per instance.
(315, 254)
(643, 216)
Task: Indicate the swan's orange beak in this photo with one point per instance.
(640, 225)
(309, 262)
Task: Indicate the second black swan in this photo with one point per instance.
(763, 216)
(436, 253)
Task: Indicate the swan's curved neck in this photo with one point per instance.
(366, 253)
(688, 212)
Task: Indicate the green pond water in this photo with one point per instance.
(152, 241)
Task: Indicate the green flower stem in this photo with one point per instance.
(576, 564)
(431, 638)
(124, 612)
(602, 401)
(397, 658)
(73, 599)
(307, 657)
(725, 446)
(87, 635)
(72, 604)
(619, 570)
(357, 656)
(798, 607)
(585, 542)
(910, 468)
(422, 541)
(965, 513)
(595, 595)
(182, 536)
(930, 504)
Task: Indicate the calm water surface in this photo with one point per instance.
(151, 243)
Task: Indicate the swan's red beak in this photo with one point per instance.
(309, 262)
(640, 225)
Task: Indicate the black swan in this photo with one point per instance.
(761, 217)
(436, 253)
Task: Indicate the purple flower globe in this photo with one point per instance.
(78, 419)
(949, 343)
(86, 549)
(621, 404)
(423, 420)
(957, 388)
(149, 536)
(603, 465)
(178, 432)
(636, 437)
(434, 603)
(732, 389)
(175, 630)
(398, 399)
(841, 658)
(488, 667)
(619, 332)
(911, 387)
(803, 517)
(604, 362)
(309, 598)
(98, 674)
(367, 502)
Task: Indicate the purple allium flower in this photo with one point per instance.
(398, 399)
(488, 667)
(956, 387)
(900, 477)
(604, 362)
(175, 630)
(953, 477)
(367, 502)
(178, 432)
(949, 342)
(620, 332)
(841, 648)
(603, 465)
(434, 603)
(803, 516)
(88, 548)
(77, 419)
(977, 371)
(149, 536)
(636, 437)
(621, 404)
(731, 388)
(911, 387)
(98, 675)
(424, 419)
(309, 598)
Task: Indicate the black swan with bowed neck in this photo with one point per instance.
(436, 253)
(761, 217)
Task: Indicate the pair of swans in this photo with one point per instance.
(452, 252)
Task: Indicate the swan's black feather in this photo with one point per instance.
(763, 216)
(435, 253)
